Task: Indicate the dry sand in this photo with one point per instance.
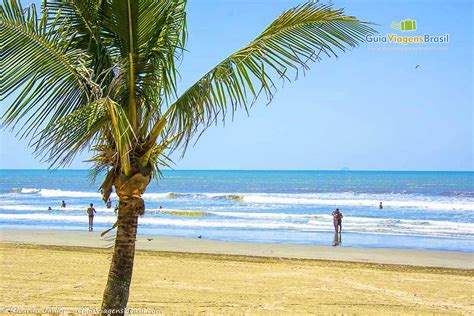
(74, 277)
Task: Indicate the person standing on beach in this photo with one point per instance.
(90, 212)
(337, 220)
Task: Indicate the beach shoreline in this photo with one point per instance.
(427, 210)
(391, 256)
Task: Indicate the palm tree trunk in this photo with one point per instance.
(120, 274)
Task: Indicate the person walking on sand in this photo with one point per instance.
(90, 212)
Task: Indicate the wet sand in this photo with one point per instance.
(73, 277)
(425, 258)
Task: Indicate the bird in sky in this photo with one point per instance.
(417, 66)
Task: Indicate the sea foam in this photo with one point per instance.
(349, 199)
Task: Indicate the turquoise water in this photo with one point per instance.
(422, 210)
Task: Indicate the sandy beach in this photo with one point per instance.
(44, 269)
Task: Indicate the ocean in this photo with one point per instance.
(422, 210)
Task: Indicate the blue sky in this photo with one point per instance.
(366, 110)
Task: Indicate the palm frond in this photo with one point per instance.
(61, 141)
(84, 17)
(299, 36)
(49, 75)
(156, 156)
(161, 44)
(123, 133)
(150, 36)
(121, 22)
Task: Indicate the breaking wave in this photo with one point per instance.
(349, 199)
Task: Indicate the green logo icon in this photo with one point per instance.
(405, 25)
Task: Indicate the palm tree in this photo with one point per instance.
(101, 76)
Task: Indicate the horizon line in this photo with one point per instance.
(276, 170)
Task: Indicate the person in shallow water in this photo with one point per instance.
(337, 220)
(380, 205)
(109, 203)
(90, 212)
(63, 204)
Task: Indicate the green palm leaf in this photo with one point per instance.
(62, 140)
(37, 56)
(84, 17)
(301, 35)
